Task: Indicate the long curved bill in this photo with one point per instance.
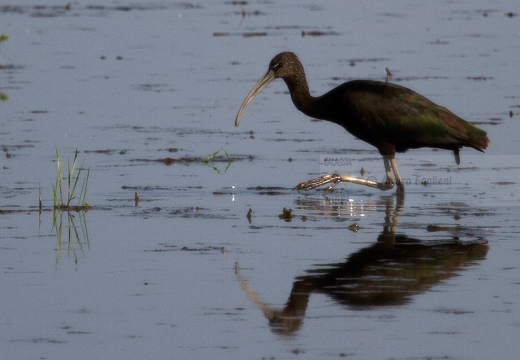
(260, 85)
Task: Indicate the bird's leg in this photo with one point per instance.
(389, 181)
(314, 183)
(398, 179)
(335, 179)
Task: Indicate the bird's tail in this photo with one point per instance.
(469, 135)
(477, 138)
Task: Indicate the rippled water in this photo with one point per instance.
(209, 264)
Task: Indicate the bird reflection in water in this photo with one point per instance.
(387, 273)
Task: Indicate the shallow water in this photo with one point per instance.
(145, 90)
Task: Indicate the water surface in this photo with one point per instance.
(145, 90)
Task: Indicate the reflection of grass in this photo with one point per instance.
(63, 195)
(76, 239)
(207, 160)
(59, 193)
(67, 189)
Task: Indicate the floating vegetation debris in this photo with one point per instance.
(286, 215)
(318, 33)
(354, 227)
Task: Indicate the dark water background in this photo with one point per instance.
(145, 90)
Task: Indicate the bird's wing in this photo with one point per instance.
(398, 115)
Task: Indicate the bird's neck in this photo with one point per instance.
(302, 98)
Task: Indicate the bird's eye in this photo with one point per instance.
(277, 66)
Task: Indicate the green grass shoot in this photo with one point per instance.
(207, 160)
(63, 195)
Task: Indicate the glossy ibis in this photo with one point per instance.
(390, 117)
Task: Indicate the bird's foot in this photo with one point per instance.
(400, 187)
(389, 182)
(314, 183)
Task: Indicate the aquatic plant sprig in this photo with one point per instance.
(3, 37)
(73, 178)
(207, 160)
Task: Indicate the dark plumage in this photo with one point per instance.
(390, 117)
